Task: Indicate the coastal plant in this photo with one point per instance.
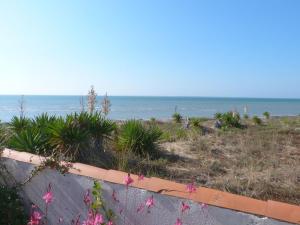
(18, 124)
(4, 136)
(256, 120)
(196, 122)
(266, 115)
(229, 120)
(177, 117)
(92, 100)
(29, 139)
(68, 138)
(135, 137)
(246, 116)
(105, 105)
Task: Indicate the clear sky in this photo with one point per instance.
(237, 48)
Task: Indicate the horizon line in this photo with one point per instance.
(154, 96)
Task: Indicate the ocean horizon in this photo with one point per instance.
(146, 107)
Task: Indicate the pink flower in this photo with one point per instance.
(191, 187)
(150, 202)
(48, 197)
(110, 223)
(184, 207)
(141, 177)
(178, 222)
(128, 180)
(98, 219)
(87, 198)
(93, 219)
(35, 218)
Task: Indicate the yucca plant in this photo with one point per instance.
(28, 139)
(257, 120)
(69, 138)
(196, 122)
(177, 117)
(139, 139)
(4, 136)
(266, 115)
(229, 120)
(18, 124)
(95, 124)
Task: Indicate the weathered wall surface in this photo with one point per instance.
(68, 201)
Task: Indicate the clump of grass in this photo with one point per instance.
(256, 120)
(196, 121)
(229, 120)
(266, 115)
(246, 116)
(139, 139)
(177, 117)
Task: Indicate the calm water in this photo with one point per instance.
(147, 107)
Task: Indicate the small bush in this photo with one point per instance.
(11, 209)
(246, 116)
(256, 120)
(266, 115)
(177, 117)
(137, 138)
(229, 120)
(18, 124)
(196, 122)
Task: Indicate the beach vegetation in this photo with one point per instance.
(196, 121)
(177, 117)
(246, 116)
(92, 100)
(135, 137)
(256, 120)
(229, 120)
(105, 105)
(266, 115)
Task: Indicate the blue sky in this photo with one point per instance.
(176, 48)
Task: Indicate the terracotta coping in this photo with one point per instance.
(272, 209)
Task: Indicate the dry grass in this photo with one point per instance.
(262, 162)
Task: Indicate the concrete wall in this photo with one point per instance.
(68, 201)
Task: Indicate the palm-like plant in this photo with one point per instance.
(137, 138)
(18, 124)
(266, 115)
(177, 117)
(67, 137)
(28, 139)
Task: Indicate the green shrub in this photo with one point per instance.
(246, 116)
(196, 121)
(76, 136)
(229, 120)
(266, 115)
(139, 139)
(11, 209)
(152, 119)
(256, 120)
(177, 117)
(29, 139)
(18, 124)
(218, 116)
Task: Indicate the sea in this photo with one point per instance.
(136, 107)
